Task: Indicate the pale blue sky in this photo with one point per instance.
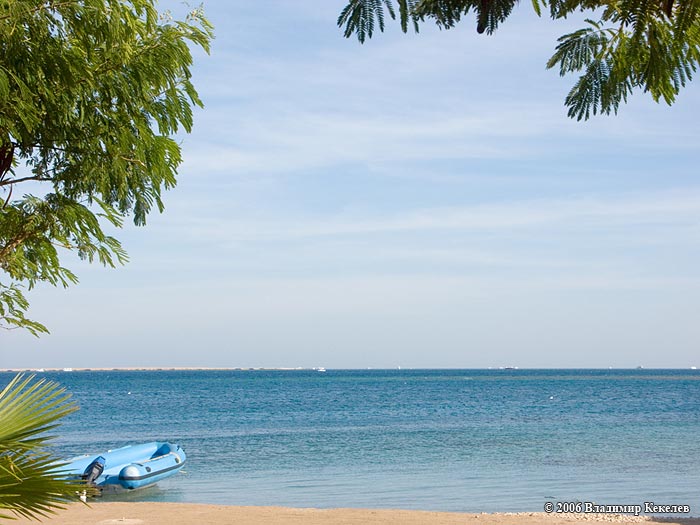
(420, 201)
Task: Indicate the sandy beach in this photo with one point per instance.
(191, 514)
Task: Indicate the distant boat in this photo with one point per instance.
(693, 367)
(320, 369)
(67, 369)
(40, 370)
(127, 468)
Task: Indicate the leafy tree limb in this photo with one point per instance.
(648, 45)
(91, 95)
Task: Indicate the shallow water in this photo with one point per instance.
(457, 440)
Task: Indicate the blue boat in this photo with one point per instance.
(127, 468)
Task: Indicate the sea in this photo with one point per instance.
(447, 440)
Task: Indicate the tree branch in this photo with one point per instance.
(12, 245)
(9, 196)
(10, 182)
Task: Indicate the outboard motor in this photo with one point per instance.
(94, 470)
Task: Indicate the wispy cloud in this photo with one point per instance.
(303, 140)
(670, 207)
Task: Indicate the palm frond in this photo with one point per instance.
(29, 408)
(32, 485)
(31, 482)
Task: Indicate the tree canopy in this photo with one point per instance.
(91, 95)
(626, 45)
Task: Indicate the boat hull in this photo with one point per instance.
(131, 467)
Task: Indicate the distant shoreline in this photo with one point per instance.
(148, 369)
(301, 368)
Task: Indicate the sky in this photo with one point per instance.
(417, 201)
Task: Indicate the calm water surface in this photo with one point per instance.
(457, 440)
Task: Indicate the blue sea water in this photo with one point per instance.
(452, 440)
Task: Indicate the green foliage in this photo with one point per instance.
(31, 484)
(13, 304)
(359, 17)
(649, 45)
(91, 94)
